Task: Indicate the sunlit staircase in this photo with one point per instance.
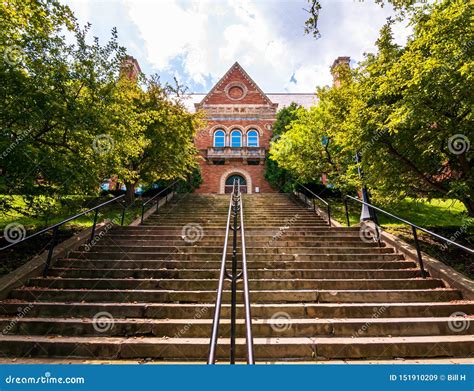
(317, 293)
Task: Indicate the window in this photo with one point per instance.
(236, 139)
(252, 138)
(219, 138)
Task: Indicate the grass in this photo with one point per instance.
(424, 213)
(18, 255)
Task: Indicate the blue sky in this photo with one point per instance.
(198, 40)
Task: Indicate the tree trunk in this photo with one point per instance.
(469, 204)
(130, 192)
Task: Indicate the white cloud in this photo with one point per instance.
(200, 39)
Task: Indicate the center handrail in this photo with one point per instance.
(235, 208)
(222, 273)
(248, 316)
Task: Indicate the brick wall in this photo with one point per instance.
(212, 176)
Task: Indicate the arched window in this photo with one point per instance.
(252, 138)
(236, 139)
(219, 138)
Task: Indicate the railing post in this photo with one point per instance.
(314, 205)
(50, 251)
(418, 252)
(347, 212)
(123, 215)
(143, 212)
(93, 225)
(329, 214)
(376, 222)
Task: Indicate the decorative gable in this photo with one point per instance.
(235, 88)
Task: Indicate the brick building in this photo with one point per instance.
(236, 140)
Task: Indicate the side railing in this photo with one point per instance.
(149, 203)
(55, 228)
(234, 214)
(311, 198)
(374, 209)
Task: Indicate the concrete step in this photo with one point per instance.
(178, 229)
(272, 246)
(355, 256)
(206, 311)
(209, 284)
(257, 296)
(265, 348)
(214, 273)
(252, 242)
(362, 248)
(106, 325)
(172, 264)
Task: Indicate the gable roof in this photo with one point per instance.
(224, 80)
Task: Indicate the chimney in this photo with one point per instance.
(130, 68)
(340, 61)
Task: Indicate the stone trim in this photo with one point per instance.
(236, 171)
(236, 84)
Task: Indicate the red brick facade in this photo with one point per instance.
(235, 103)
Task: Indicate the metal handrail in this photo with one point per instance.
(328, 207)
(56, 227)
(155, 196)
(413, 226)
(248, 316)
(235, 206)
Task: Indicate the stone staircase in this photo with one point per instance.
(148, 292)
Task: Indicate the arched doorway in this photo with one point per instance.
(229, 182)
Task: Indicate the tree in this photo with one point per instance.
(152, 133)
(53, 95)
(277, 176)
(407, 110)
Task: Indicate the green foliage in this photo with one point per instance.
(401, 108)
(275, 175)
(152, 133)
(192, 182)
(68, 121)
(53, 95)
